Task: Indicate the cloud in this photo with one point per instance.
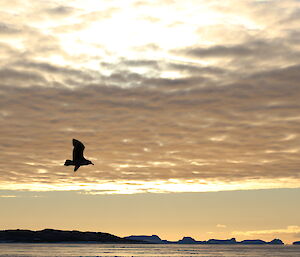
(83, 19)
(10, 76)
(250, 56)
(290, 233)
(6, 29)
(220, 51)
(60, 10)
(206, 109)
(160, 134)
(293, 230)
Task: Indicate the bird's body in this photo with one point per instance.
(78, 158)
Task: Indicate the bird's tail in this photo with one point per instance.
(68, 163)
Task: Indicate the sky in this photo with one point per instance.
(188, 109)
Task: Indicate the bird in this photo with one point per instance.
(78, 159)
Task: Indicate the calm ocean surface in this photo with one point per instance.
(93, 250)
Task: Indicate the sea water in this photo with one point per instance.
(146, 250)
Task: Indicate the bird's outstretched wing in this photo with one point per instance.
(77, 150)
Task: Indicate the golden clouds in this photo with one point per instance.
(157, 95)
(213, 135)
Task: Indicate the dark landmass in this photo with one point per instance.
(74, 236)
(296, 243)
(55, 236)
(220, 242)
(261, 242)
(149, 239)
(189, 240)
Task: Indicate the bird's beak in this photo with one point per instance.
(93, 164)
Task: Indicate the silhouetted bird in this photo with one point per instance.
(78, 159)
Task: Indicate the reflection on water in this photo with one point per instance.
(113, 250)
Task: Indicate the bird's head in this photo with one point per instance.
(89, 162)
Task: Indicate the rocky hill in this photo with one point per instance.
(52, 236)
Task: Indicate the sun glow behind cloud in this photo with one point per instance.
(114, 33)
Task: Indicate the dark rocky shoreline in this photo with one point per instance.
(58, 236)
(74, 236)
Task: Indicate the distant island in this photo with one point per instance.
(189, 240)
(74, 236)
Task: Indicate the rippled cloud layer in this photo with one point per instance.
(167, 96)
